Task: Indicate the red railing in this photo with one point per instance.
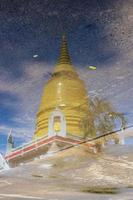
(36, 145)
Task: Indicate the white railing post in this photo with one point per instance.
(121, 137)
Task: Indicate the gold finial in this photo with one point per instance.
(64, 57)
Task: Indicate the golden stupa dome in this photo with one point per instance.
(64, 93)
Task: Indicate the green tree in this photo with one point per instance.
(101, 118)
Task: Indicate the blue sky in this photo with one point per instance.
(99, 33)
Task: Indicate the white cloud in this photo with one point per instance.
(28, 90)
(114, 83)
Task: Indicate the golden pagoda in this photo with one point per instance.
(64, 101)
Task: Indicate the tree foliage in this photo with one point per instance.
(101, 118)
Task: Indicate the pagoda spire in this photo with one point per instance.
(64, 63)
(64, 57)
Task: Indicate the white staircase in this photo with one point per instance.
(3, 164)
